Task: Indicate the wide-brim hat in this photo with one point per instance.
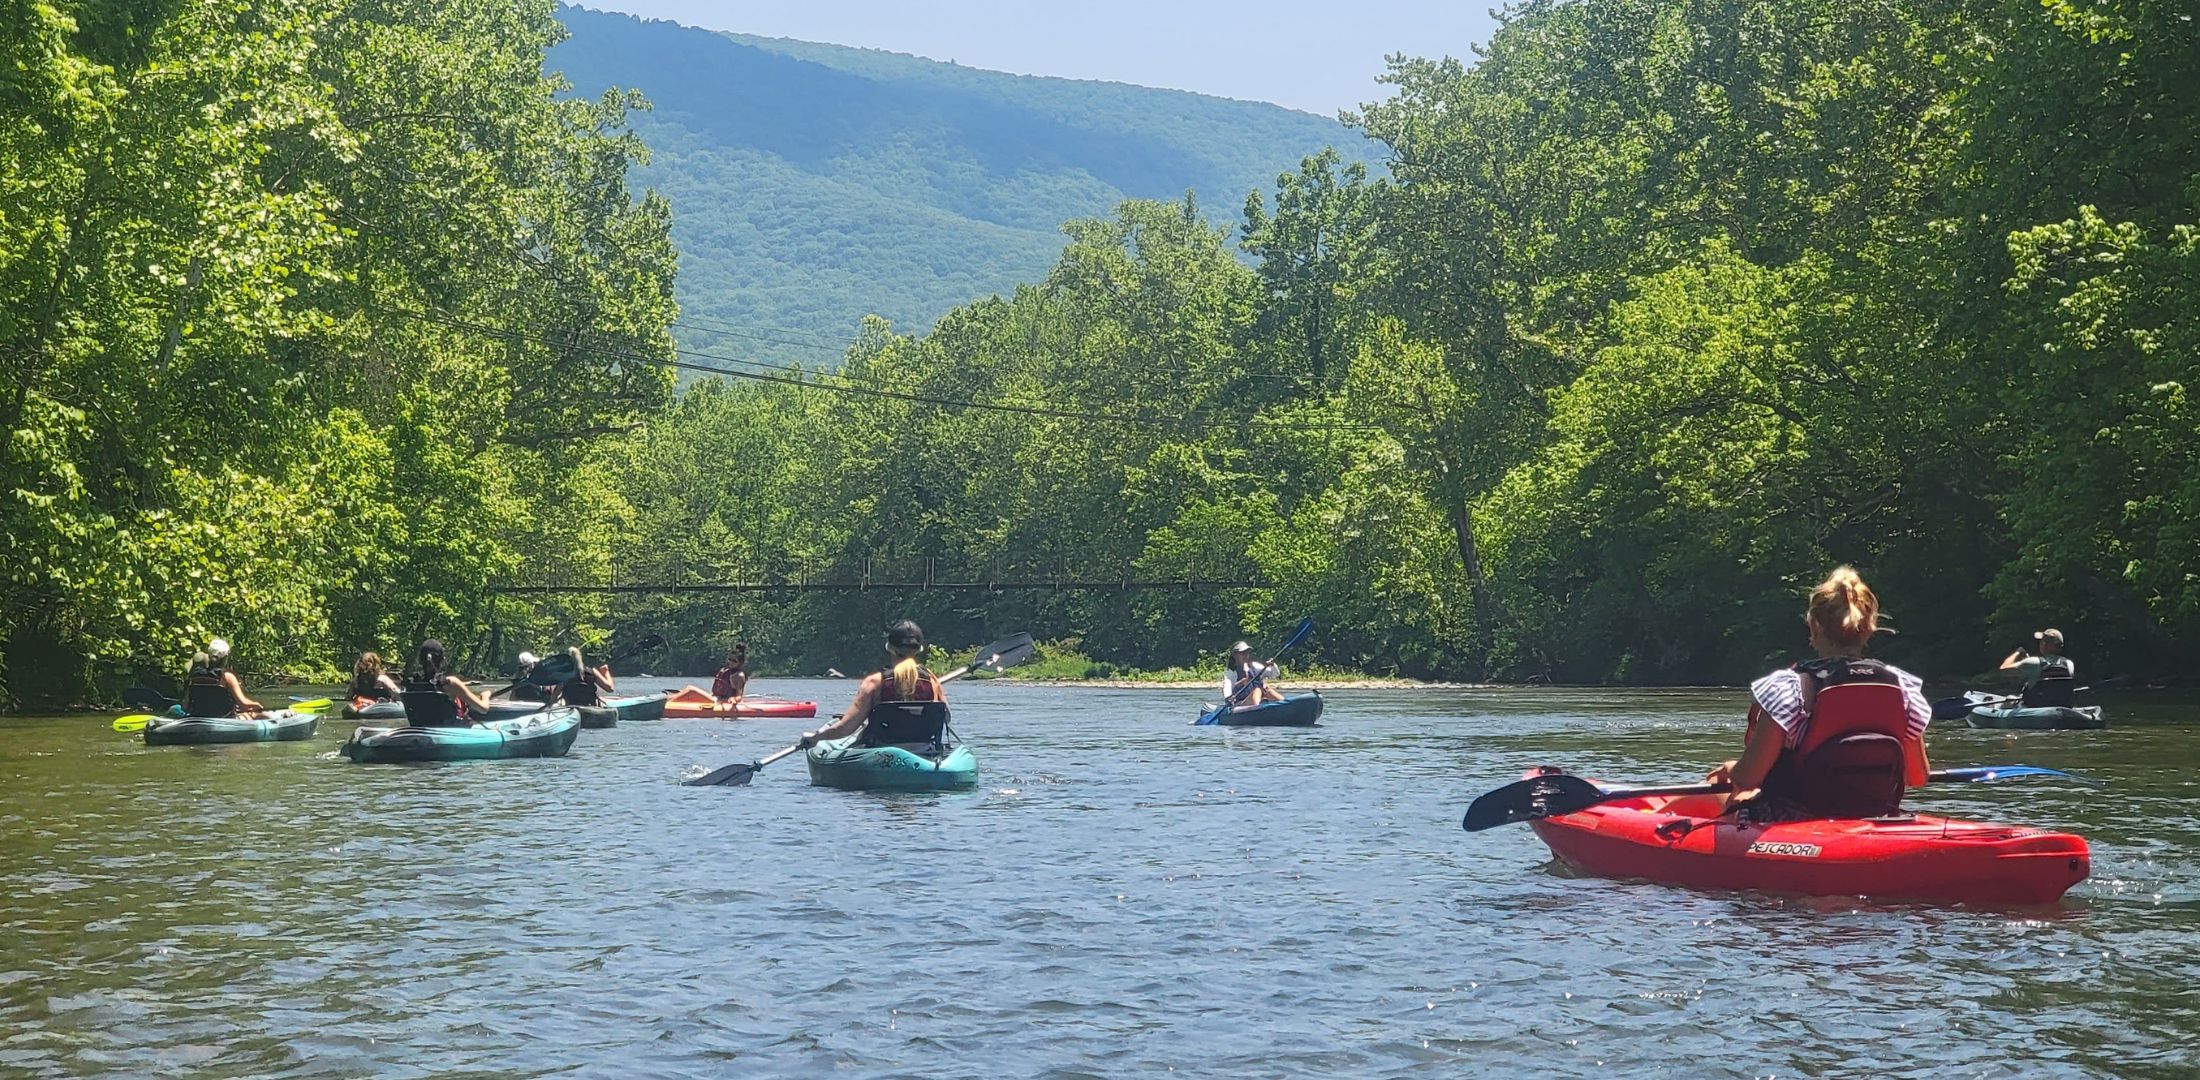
(1242, 646)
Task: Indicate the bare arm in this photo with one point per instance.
(2013, 659)
(1762, 749)
(852, 720)
(236, 689)
(603, 677)
(464, 695)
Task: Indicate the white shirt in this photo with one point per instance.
(1253, 671)
(1780, 695)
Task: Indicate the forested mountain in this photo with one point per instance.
(814, 184)
(320, 317)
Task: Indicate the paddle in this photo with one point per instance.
(1005, 653)
(1956, 708)
(304, 704)
(1305, 627)
(557, 669)
(139, 697)
(135, 722)
(1554, 794)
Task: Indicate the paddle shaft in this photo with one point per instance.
(1968, 775)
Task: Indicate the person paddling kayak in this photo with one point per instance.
(437, 698)
(523, 687)
(371, 681)
(732, 680)
(1838, 736)
(211, 689)
(906, 680)
(2050, 677)
(1245, 680)
(588, 684)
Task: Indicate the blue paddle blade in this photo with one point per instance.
(1951, 708)
(1986, 773)
(1208, 714)
(1305, 627)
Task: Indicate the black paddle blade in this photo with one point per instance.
(139, 697)
(1526, 800)
(996, 658)
(1005, 653)
(728, 776)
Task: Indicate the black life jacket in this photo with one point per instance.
(206, 693)
(581, 690)
(366, 684)
(2055, 688)
(1852, 761)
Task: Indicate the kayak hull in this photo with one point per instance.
(2057, 718)
(696, 703)
(370, 709)
(1920, 858)
(281, 726)
(612, 712)
(545, 734)
(1301, 711)
(838, 763)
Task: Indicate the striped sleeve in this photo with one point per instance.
(1780, 696)
(1913, 699)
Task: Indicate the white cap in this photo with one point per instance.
(217, 648)
(528, 658)
(1241, 647)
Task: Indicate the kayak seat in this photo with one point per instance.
(2054, 690)
(208, 699)
(1855, 776)
(430, 708)
(906, 723)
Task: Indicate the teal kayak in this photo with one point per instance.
(280, 726)
(839, 763)
(543, 734)
(610, 713)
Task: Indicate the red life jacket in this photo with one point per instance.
(1856, 754)
(889, 688)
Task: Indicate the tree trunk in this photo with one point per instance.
(1470, 557)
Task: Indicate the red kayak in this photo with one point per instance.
(694, 701)
(1909, 858)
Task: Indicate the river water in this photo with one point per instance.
(1124, 895)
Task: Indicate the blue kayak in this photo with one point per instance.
(840, 763)
(1301, 711)
(542, 734)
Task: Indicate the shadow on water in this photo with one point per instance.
(1123, 894)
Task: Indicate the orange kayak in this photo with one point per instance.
(694, 701)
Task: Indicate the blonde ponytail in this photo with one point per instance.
(905, 677)
(1844, 608)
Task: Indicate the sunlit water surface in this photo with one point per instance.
(1122, 896)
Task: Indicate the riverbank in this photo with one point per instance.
(1165, 681)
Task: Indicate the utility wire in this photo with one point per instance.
(847, 385)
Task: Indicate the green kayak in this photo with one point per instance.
(839, 763)
(543, 734)
(610, 713)
(280, 726)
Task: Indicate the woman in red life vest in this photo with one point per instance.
(907, 680)
(732, 680)
(1838, 736)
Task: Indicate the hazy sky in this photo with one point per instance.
(1316, 55)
